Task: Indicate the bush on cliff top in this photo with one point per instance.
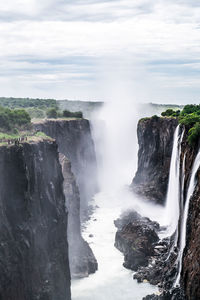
(13, 118)
(53, 113)
(190, 117)
(170, 113)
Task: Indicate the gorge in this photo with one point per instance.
(58, 221)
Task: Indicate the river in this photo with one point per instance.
(112, 281)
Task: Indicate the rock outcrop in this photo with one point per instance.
(75, 142)
(81, 257)
(155, 138)
(33, 224)
(135, 238)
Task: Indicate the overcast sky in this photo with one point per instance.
(70, 49)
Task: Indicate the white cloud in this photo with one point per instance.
(34, 34)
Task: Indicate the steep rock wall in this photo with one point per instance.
(190, 276)
(151, 168)
(155, 138)
(75, 142)
(81, 257)
(33, 224)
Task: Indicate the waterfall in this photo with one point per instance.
(190, 192)
(173, 193)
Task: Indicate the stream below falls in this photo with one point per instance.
(112, 281)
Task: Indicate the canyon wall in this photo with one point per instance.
(81, 257)
(155, 138)
(33, 224)
(190, 276)
(75, 142)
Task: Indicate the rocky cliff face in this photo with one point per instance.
(155, 138)
(81, 257)
(33, 224)
(165, 270)
(190, 277)
(75, 142)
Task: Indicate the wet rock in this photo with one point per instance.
(135, 239)
(33, 224)
(75, 141)
(155, 138)
(81, 258)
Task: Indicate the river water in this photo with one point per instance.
(112, 281)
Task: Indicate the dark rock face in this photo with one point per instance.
(135, 238)
(191, 261)
(162, 268)
(33, 224)
(75, 142)
(190, 276)
(155, 138)
(81, 257)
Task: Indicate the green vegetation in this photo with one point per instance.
(27, 102)
(170, 113)
(190, 117)
(41, 134)
(13, 119)
(52, 113)
(69, 114)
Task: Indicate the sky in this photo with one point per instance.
(72, 49)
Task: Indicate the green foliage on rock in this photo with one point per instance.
(194, 134)
(190, 117)
(170, 113)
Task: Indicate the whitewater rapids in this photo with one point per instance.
(112, 281)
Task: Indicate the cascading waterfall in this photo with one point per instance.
(173, 193)
(190, 192)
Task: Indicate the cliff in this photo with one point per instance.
(75, 142)
(81, 257)
(164, 271)
(190, 276)
(33, 224)
(155, 138)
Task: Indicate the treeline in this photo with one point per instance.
(27, 102)
(13, 119)
(54, 113)
(190, 117)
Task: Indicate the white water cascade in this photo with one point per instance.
(173, 193)
(183, 231)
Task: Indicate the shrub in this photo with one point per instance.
(155, 117)
(10, 119)
(170, 113)
(52, 113)
(194, 134)
(69, 114)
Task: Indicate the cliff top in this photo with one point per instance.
(23, 137)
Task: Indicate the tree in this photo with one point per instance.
(52, 113)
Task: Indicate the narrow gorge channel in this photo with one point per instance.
(111, 281)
